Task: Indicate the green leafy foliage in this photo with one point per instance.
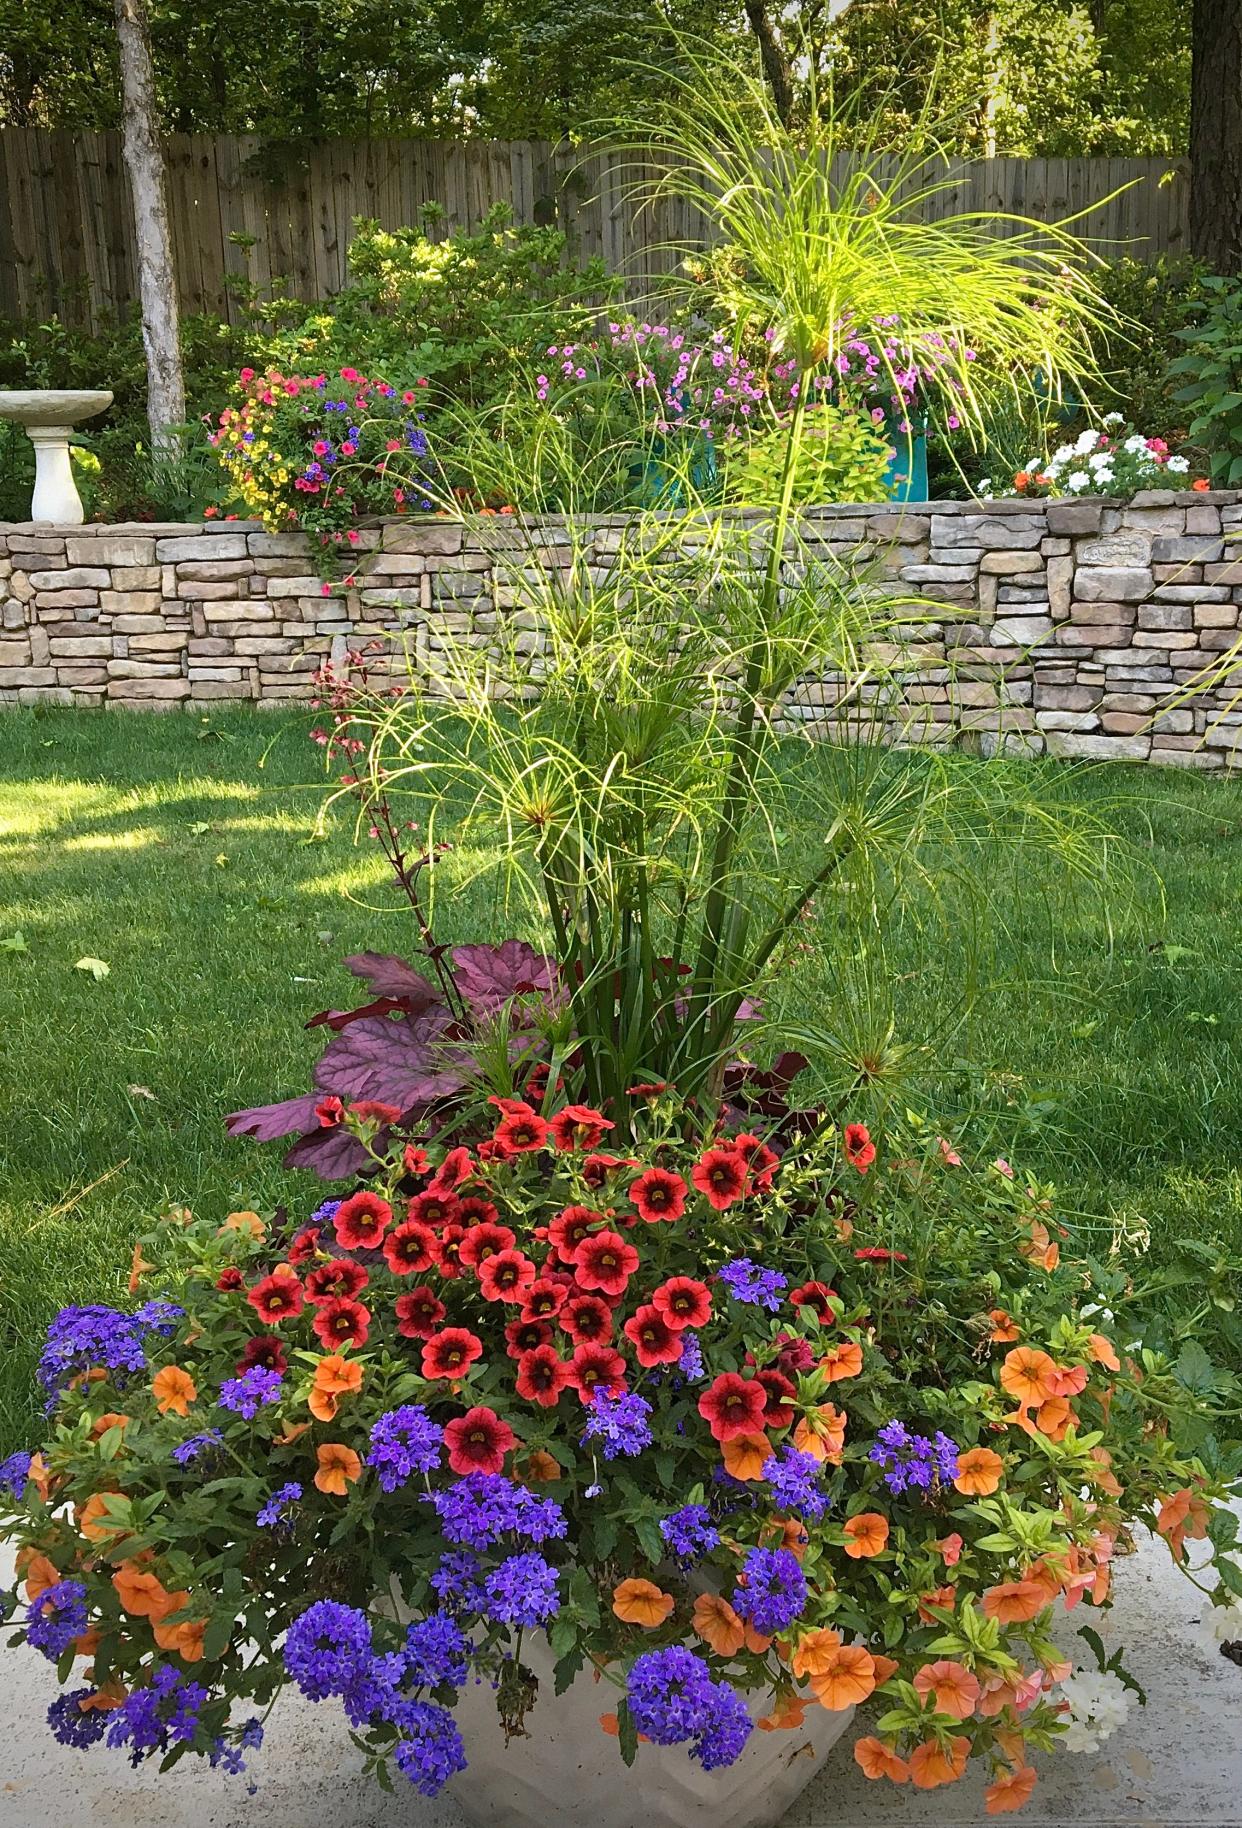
(1210, 373)
(840, 458)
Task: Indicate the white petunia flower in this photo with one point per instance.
(1099, 460)
(1179, 465)
(1106, 476)
(1078, 481)
(1135, 443)
(1098, 1704)
(1222, 1623)
(1063, 453)
(1113, 419)
(1085, 442)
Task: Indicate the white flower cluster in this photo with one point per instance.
(1099, 1703)
(1222, 1622)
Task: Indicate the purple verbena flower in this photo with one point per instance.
(724, 1732)
(670, 1693)
(70, 1725)
(774, 1592)
(14, 1472)
(797, 1482)
(404, 1441)
(281, 1500)
(430, 1749)
(690, 1532)
(56, 1618)
(522, 1591)
(436, 1651)
(185, 1451)
(619, 1423)
(247, 1393)
(752, 1284)
(326, 1647)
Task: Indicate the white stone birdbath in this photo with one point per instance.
(49, 415)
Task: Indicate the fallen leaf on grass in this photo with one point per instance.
(96, 966)
(142, 1091)
(16, 942)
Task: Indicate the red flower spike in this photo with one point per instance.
(373, 1110)
(587, 1319)
(733, 1406)
(506, 1275)
(341, 1322)
(683, 1302)
(451, 1352)
(874, 1253)
(339, 1277)
(605, 1261)
(329, 1112)
(419, 1313)
(542, 1377)
(659, 1194)
(415, 1161)
(477, 1442)
(482, 1241)
(578, 1127)
(361, 1221)
(278, 1297)
(720, 1176)
(597, 1367)
(654, 1341)
(859, 1148)
(410, 1249)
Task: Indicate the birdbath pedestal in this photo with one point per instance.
(49, 415)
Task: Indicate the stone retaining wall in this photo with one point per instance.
(1075, 626)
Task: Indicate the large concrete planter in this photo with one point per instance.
(568, 1773)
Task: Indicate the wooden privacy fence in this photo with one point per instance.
(67, 239)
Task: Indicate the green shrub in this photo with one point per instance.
(1211, 376)
(840, 458)
(1156, 300)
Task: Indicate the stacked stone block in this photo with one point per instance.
(1085, 628)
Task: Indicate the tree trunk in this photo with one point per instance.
(775, 62)
(1216, 134)
(157, 279)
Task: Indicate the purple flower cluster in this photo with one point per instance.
(913, 1459)
(752, 1284)
(73, 1727)
(619, 1423)
(163, 1714)
(458, 1580)
(326, 1647)
(773, 1592)
(797, 1482)
(185, 1451)
(82, 1337)
(56, 1618)
(672, 1700)
(436, 1651)
(323, 1215)
(14, 1472)
(281, 1500)
(690, 1532)
(247, 1394)
(521, 1591)
(481, 1508)
(429, 1750)
(404, 1441)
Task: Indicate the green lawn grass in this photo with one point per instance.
(182, 853)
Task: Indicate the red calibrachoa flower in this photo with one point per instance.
(361, 1221)
(278, 1297)
(482, 1241)
(733, 1406)
(655, 1342)
(570, 1227)
(453, 1170)
(410, 1248)
(419, 1313)
(414, 1160)
(304, 1246)
(720, 1176)
(597, 1168)
(659, 1194)
(761, 1162)
(506, 1275)
(373, 1110)
(478, 1441)
(579, 1127)
(597, 1367)
(230, 1278)
(435, 1207)
(474, 1210)
(542, 1376)
(341, 1276)
(777, 1411)
(875, 1253)
(815, 1296)
(683, 1302)
(329, 1112)
(523, 1335)
(520, 1131)
(341, 1322)
(605, 1261)
(859, 1148)
(451, 1352)
(587, 1319)
(448, 1250)
(545, 1298)
(264, 1350)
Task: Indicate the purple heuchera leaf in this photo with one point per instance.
(269, 1122)
(334, 1154)
(488, 976)
(393, 977)
(403, 1061)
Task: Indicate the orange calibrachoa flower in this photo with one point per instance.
(815, 1651)
(1184, 1514)
(334, 1378)
(719, 1626)
(746, 1455)
(931, 1766)
(884, 1667)
(1013, 1602)
(249, 1222)
(844, 1360)
(874, 1759)
(641, 1602)
(143, 1594)
(538, 1467)
(95, 1520)
(952, 1686)
(1028, 1375)
(339, 1468)
(787, 1713)
(821, 1432)
(103, 1423)
(866, 1535)
(138, 1268)
(39, 1572)
(39, 1476)
(944, 1598)
(1005, 1328)
(105, 1698)
(186, 1638)
(174, 1390)
(1103, 1353)
(1012, 1790)
(848, 1678)
(1055, 1418)
(978, 1474)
